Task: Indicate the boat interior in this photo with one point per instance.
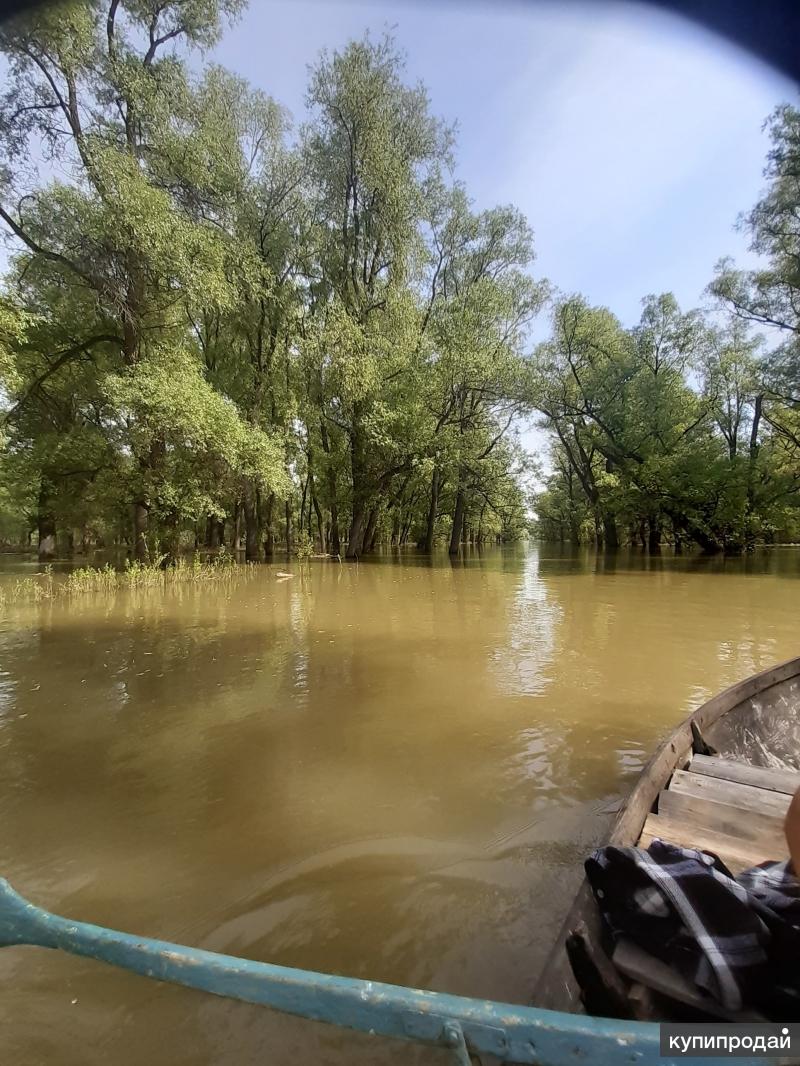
(721, 784)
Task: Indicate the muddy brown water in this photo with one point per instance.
(390, 770)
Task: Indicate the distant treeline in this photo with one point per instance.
(219, 328)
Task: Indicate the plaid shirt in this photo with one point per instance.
(738, 939)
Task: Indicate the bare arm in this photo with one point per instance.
(792, 829)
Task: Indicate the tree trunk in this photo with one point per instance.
(480, 525)
(335, 538)
(46, 520)
(598, 530)
(371, 531)
(406, 530)
(707, 543)
(141, 521)
(303, 506)
(610, 531)
(458, 520)
(237, 526)
(252, 528)
(318, 513)
(171, 541)
(288, 517)
(433, 511)
(330, 479)
(654, 536)
(751, 470)
(358, 524)
(214, 532)
(269, 539)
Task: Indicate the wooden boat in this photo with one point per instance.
(552, 1033)
(690, 797)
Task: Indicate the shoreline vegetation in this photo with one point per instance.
(221, 327)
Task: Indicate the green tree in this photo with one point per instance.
(370, 146)
(137, 231)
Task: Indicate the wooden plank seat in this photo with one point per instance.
(746, 797)
(737, 854)
(760, 828)
(729, 808)
(773, 780)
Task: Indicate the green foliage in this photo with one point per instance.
(660, 431)
(304, 545)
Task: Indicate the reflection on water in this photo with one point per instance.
(389, 770)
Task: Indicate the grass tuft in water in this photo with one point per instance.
(135, 575)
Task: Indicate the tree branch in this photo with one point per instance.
(61, 360)
(46, 253)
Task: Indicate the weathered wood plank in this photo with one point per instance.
(644, 1004)
(647, 970)
(707, 814)
(737, 854)
(602, 989)
(786, 781)
(745, 797)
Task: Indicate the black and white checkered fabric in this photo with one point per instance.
(736, 938)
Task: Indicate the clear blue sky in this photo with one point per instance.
(630, 138)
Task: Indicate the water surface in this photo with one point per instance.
(389, 770)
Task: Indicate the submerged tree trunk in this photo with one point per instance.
(654, 535)
(335, 538)
(480, 525)
(330, 481)
(433, 510)
(371, 531)
(358, 524)
(303, 506)
(252, 526)
(610, 531)
(753, 450)
(318, 513)
(46, 520)
(170, 544)
(269, 538)
(458, 520)
(237, 526)
(288, 517)
(405, 532)
(708, 544)
(141, 522)
(215, 532)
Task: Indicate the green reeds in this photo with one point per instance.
(134, 575)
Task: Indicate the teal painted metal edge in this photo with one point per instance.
(511, 1033)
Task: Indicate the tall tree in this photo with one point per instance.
(370, 145)
(137, 228)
